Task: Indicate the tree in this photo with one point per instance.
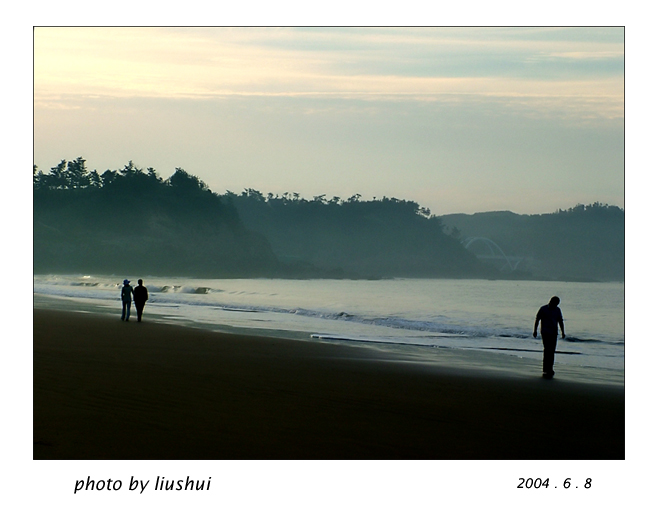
(151, 172)
(255, 195)
(58, 176)
(94, 179)
(130, 170)
(108, 177)
(77, 173)
(39, 178)
(184, 182)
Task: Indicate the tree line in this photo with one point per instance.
(83, 219)
(74, 175)
(180, 224)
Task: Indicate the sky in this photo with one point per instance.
(457, 119)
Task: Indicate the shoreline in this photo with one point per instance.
(104, 389)
(463, 359)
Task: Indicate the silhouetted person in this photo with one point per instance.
(127, 292)
(551, 316)
(140, 296)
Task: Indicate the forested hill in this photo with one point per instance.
(133, 221)
(379, 238)
(582, 243)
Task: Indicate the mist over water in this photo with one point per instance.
(422, 316)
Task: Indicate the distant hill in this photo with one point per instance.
(582, 243)
(131, 221)
(379, 238)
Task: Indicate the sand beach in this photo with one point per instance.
(106, 389)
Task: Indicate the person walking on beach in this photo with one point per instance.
(140, 296)
(127, 292)
(551, 316)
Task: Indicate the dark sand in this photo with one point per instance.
(105, 389)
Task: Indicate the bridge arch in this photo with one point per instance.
(496, 253)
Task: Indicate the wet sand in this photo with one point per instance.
(107, 389)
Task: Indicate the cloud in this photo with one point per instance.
(588, 55)
(428, 65)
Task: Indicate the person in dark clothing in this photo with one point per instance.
(140, 296)
(550, 316)
(127, 292)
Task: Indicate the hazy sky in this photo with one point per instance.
(457, 119)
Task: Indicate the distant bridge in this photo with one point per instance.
(492, 252)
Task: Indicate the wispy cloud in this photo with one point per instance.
(588, 55)
(513, 66)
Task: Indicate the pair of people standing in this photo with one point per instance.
(139, 294)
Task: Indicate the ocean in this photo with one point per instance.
(480, 323)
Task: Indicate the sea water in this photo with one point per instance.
(488, 322)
